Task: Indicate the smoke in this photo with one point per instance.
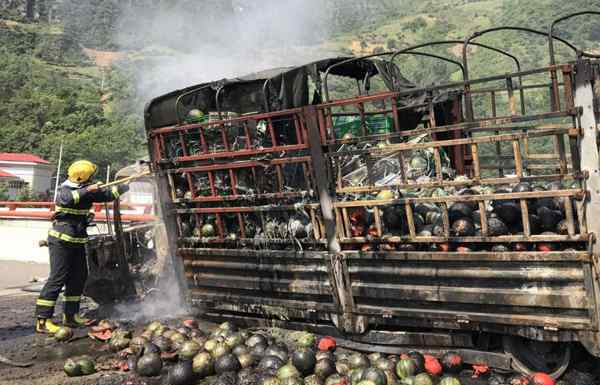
(166, 299)
(179, 43)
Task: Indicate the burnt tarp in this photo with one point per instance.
(271, 90)
(279, 89)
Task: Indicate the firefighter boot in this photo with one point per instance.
(75, 321)
(45, 326)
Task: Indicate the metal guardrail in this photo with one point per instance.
(45, 210)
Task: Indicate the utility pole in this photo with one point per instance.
(58, 170)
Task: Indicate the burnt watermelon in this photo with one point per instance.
(508, 211)
(227, 363)
(463, 227)
(452, 362)
(460, 210)
(496, 227)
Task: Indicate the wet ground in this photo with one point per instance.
(18, 342)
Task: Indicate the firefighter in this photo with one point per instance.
(66, 243)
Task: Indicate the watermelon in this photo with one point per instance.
(149, 365)
(449, 381)
(432, 365)
(270, 363)
(462, 227)
(452, 362)
(65, 333)
(327, 344)
(385, 195)
(418, 221)
(463, 249)
(306, 340)
(406, 247)
(324, 368)
(336, 379)
(358, 360)
(518, 379)
(234, 340)
(406, 367)
(426, 231)
(520, 246)
(277, 351)
(432, 217)
(181, 374)
(423, 379)
(246, 360)
(256, 339)
(418, 359)
(460, 210)
(313, 380)
(385, 364)
(72, 368)
(562, 227)
(321, 355)
(377, 376)
(292, 381)
(287, 371)
(343, 367)
(394, 217)
(203, 364)
(189, 349)
(500, 248)
(521, 187)
(496, 227)
(508, 211)
(220, 349)
(227, 363)
(541, 379)
(548, 218)
(304, 360)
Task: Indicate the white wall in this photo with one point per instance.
(42, 178)
(38, 176)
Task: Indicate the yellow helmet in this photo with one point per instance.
(81, 171)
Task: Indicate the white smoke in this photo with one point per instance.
(180, 43)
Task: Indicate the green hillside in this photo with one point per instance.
(69, 70)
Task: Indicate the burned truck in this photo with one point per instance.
(388, 214)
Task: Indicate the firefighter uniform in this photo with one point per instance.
(66, 242)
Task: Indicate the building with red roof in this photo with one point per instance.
(21, 170)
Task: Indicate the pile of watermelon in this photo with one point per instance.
(186, 354)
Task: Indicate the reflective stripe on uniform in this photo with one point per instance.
(75, 195)
(72, 298)
(71, 211)
(115, 192)
(67, 238)
(45, 302)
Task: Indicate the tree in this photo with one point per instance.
(30, 9)
(4, 191)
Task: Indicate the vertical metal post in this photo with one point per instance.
(339, 275)
(58, 170)
(588, 148)
(106, 211)
(590, 166)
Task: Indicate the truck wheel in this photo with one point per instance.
(530, 356)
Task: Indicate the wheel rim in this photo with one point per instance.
(530, 356)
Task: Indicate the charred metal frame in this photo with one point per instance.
(325, 280)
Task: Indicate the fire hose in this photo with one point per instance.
(44, 242)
